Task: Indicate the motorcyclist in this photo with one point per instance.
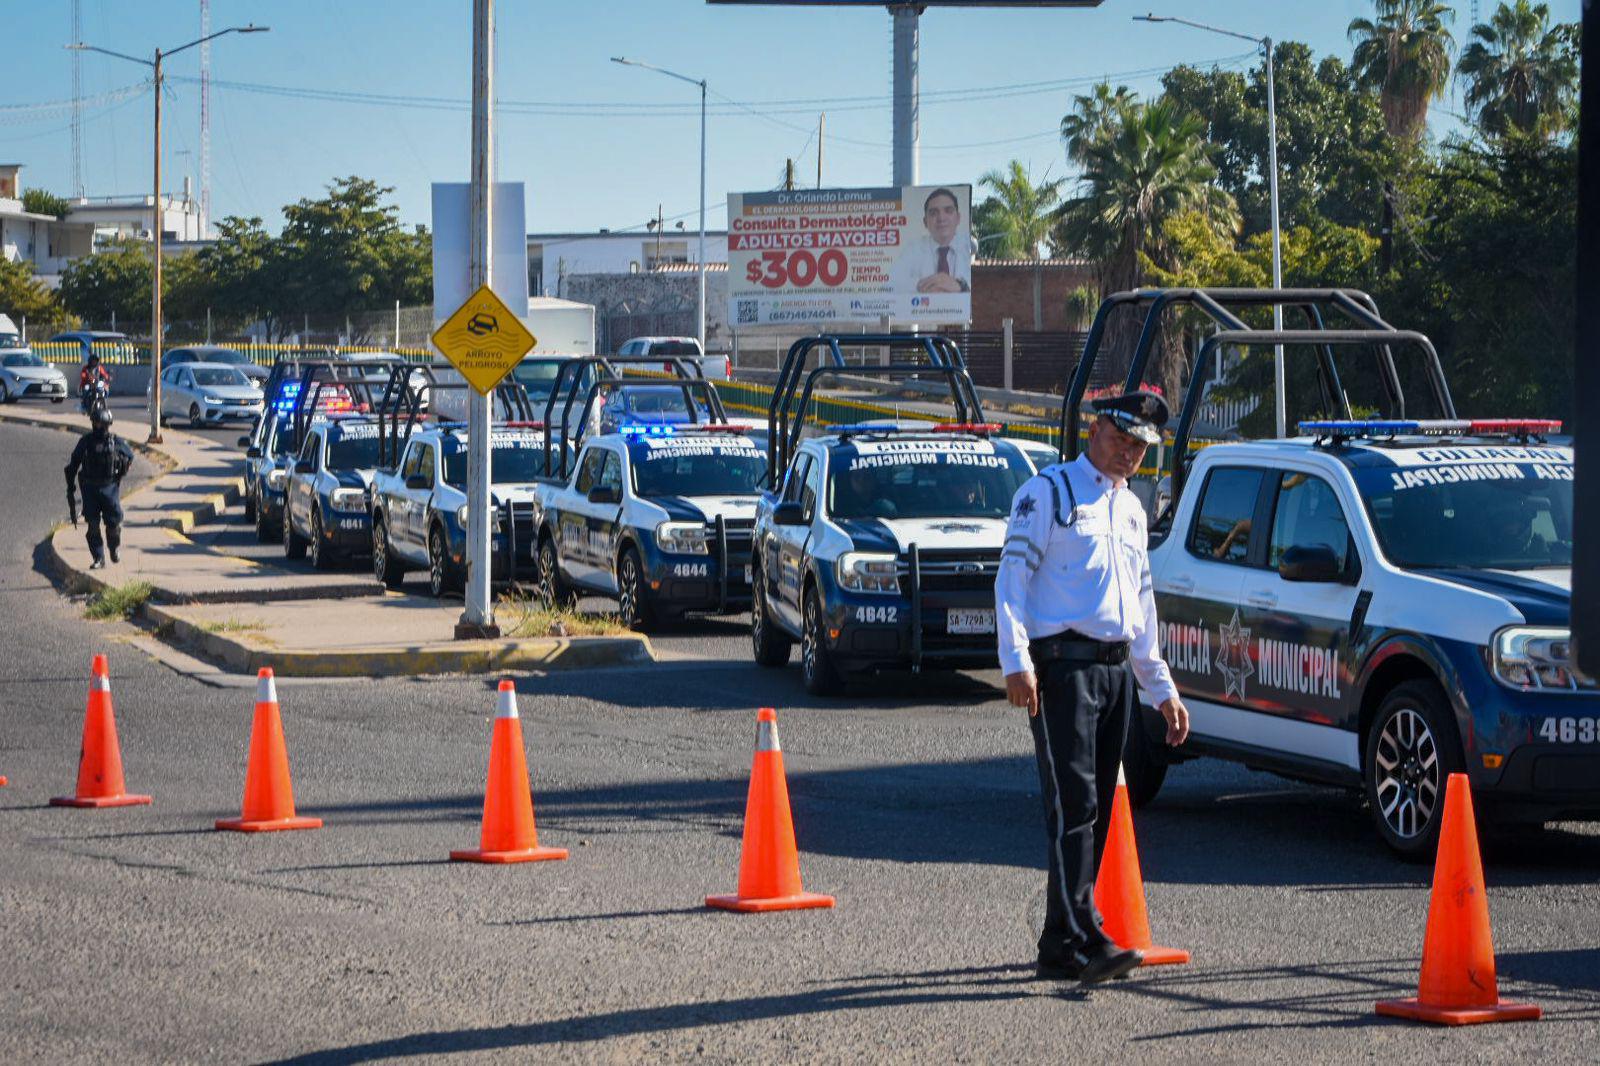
(93, 372)
(98, 465)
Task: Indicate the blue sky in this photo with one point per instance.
(589, 166)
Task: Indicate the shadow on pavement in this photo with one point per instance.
(860, 994)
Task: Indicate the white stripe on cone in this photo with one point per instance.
(100, 683)
(507, 705)
(1122, 778)
(266, 688)
(767, 737)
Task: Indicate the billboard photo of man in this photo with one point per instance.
(939, 259)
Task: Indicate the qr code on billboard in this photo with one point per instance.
(747, 313)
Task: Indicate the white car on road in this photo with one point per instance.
(208, 394)
(25, 375)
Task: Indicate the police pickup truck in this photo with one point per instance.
(1381, 604)
(658, 516)
(880, 548)
(325, 507)
(419, 507)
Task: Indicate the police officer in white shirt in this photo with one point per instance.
(1075, 610)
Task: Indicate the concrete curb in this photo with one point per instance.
(463, 657)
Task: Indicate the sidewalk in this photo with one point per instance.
(245, 614)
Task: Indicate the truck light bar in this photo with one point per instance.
(1435, 427)
(655, 429)
(967, 427)
(517, 425)
(1515, 426)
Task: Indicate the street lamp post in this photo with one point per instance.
(155, 206)
(1280, 401)
(701, 303)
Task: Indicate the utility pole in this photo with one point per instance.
(477, 620)
(205, 121)
(822, 122)
(788, 175)
(907, 134)
(77, 102)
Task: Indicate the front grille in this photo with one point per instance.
(960, 570)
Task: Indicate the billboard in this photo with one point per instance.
(825, 257)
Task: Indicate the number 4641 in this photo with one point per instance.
(1568, 730)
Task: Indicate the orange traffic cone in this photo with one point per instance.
(509, 834)
(769, 865)
(1119, 887)
(1458, 984)
(100, 781)
(268, 792)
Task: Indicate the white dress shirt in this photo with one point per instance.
(919, 258)
(1082, 567)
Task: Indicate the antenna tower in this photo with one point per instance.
(77, 101)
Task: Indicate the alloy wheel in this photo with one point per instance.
(1407, 759)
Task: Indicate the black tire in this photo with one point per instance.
(817, 669)
(266, 532)
(294, 545)
(1411, 750)
(249, 506)
(442, 576)
(770, 645)
(1143, 763)
(196, 421)
(385, 567)
(634, 608)
(5, 394)
(322, 556)
(553, 590)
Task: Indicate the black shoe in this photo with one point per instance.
(114, 556)
(98, 564)
(1090, 967)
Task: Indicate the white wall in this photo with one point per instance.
(615, 253)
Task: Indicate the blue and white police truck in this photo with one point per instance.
(326, 499)
(656, 516)
(419, 506)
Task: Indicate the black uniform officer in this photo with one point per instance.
(98, 465)
(1077, 630)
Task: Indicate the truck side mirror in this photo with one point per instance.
(244, 442)
(251, 452)
(789, 513)
(1310, 562)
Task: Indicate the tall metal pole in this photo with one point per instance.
(906, 118)
(155, 277)
(477, 620)
(701, 306)
(205, 120)
(822, 126)
(1280, 399)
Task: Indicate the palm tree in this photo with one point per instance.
(1092, 117)
(1520, 73)
(1022, 212)
(1151, 163)
(1405, 54)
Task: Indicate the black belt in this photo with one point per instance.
(1070, 647)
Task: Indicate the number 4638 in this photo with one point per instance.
(1569, 730)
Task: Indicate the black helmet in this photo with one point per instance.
(100, 418)
(94, 357)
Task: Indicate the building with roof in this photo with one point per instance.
(49, 243)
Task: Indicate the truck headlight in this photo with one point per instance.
(352, 500)
(1533, 657)
(868, 572)
(682, 538)
(464, 509)
(276, 479)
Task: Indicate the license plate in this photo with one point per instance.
(977, 620)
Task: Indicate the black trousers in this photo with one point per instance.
(1078, 736)
(102, 504)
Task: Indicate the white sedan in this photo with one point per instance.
(23, 374)
(208, 394)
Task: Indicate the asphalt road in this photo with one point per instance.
(140, 935)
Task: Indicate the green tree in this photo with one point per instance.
(1520, 74)
(42, 202)
(243, 273)
(1023, 212)
(23, 295)
(112, 282)
(1093, 118)
(1405, 54)
(347, 252)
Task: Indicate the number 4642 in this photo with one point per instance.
(1569, 730)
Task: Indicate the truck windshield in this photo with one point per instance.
(10, 340)
(353, 453)
(1473, 508)
(21, 359)
(924, 479)
(509, 464)
(674, 348)
(689, 467)
(538, 376)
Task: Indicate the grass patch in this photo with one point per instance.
(122, 601)
(233, 625)
(522, 616)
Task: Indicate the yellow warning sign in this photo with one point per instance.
(484, 340)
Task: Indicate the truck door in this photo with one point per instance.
(572, 527)
(805, 487)
(303, 486)
(417, 499)
(1204, 636)
(1300, 630)
(605, 524)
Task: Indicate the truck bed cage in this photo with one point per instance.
(402, 405)
(359, 380)
(1324, 340)
(686, 374)
(1215, 303)
(786, 419)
